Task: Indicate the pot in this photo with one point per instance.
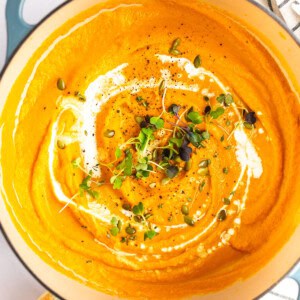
(273, 34)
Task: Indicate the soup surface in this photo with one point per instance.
(149, 149)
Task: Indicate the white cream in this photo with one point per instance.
(247, 155)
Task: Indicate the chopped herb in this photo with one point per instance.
(139, 98)
(222, 138)
(228, 147)
(197, 61)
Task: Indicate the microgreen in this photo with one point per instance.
(150, 234)
(138, 209)
(157, 122)
(118, 153)
(217, 113)
(195, 117)
(76, 162)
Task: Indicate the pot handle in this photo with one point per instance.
(17, 28)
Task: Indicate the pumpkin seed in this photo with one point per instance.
(109, 133)
(197, 61)
(61, 144)
(188, 220)
(61, 85)
(185, 210)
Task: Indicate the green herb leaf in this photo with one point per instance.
(157, 122)
(195, 117)
(139, 98)
(177, 142)
(205, 135)
(114, 221)
(93, 194)
(138, 209)
(217, 113)
(195, 139)
(128, 163)
(114, 231)
(150, 234)
(228, 99)
(221, 98)
(117, 181)
(76, 162)
(118, 153)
